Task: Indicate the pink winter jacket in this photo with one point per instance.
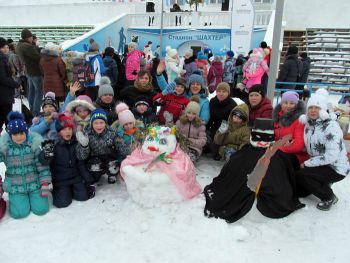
(254, 78)
(194, 131)
(132, 65)
(181, 170)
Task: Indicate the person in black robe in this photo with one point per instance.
(229, 197)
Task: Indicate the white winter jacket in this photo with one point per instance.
(325, 145)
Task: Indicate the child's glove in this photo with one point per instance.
(45, 190)
(82, 139)
(168, 116)
(48, 148)
(223, 127)
(158, 98)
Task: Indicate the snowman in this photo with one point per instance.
(159, 172)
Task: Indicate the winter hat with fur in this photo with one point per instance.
(63, 121)
(80, 101)
(223, 86)
(193, 106)
(16, 123)
(171, 52)
(318, 101)
(50, 99)
(124, 114)
(105, 87)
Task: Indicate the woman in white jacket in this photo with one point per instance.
(328, 161)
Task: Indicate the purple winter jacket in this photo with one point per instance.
(194, 131)
(190, 66)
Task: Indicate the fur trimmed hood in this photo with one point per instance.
(50, 52)
(75, 103)
(288, 118)
(324, 116)
(33, 139)
(197, 122)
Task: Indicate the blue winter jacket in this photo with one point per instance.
(204, 112)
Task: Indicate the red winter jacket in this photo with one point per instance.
(262, 110)
(215, 73)
(172, 103)
(289, 124)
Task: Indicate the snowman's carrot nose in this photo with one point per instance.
(153, 149)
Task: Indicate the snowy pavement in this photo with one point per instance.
(111, 228)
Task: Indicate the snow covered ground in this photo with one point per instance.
(111, 228)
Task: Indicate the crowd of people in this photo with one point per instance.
(92, 112)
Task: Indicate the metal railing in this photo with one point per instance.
(311, 88)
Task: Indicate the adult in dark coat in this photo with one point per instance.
(291, 69)
(304, 73)
(228, 196)
(220, 107)
(7, 84)
(54, 71)
(141, 90)
(259, 105)
(111, 67)
(30, 55)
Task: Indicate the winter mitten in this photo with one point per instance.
(82, 139)
(223, 127)
(35, 120)
(95, 165)
(168, 116)
(45, 190)
(48, 148)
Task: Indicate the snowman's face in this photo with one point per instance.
(158, 141)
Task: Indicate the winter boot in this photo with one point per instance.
(113, 170)
(91, 190)
(326, 205)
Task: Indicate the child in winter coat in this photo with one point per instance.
(132, 64)
(193, 128)
(127, 128)
(189, 64)
(80, 110)
(70, 176)
(174, 65)
(232, 136)
(144, 113)
(100, 147)
(229, 68)
(106, 99)
(26, 179)
(255, 68)
(173, 104)
(215, 74)
(202, 63)
(45, 122)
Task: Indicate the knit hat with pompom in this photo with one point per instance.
(16, 123)
(50, 99)
(193, 106)
(124, 114)
(105, 87)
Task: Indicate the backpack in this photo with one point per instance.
(82, 71)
